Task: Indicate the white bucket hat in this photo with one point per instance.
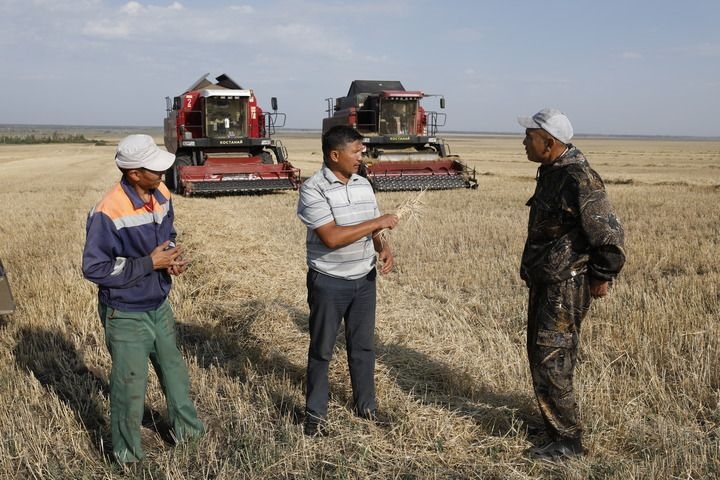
(552, 121)
(140, 151)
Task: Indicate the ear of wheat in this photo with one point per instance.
(408, 211)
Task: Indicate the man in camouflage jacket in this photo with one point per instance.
(573, 251)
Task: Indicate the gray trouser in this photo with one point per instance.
(555, 313)
(330, 300)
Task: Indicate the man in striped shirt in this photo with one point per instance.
(339, 209)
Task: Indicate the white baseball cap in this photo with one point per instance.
(552, 121)
(140, 151)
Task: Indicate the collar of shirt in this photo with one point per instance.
(332, 178)
(569, 156)
(135, 198)
(567, 149)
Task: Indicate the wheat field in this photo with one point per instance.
(452, 371)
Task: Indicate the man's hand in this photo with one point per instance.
(386, 259)
(599, 288)
(165, 258)
(389, 220)
(179, 266)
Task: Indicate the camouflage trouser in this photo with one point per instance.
(555, 312)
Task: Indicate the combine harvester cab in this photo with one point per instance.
(222, 142)
(403, 151)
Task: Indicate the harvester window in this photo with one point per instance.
(225, 116)
(397, 117)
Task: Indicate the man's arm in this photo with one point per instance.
(336, 236)
(178, 263)
(604, 233)
(101, 265)
(385, 255)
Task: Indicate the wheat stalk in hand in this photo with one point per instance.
(409, 210)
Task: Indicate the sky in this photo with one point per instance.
(632, 67)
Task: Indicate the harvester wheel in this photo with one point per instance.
(267, 158)
(172, 176)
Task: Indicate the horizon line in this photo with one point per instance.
(301, 129)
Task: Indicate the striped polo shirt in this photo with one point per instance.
(324, 198)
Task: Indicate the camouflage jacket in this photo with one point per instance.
(572, 228)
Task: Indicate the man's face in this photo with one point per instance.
(148, 179)
(347, 161)
(536, 147)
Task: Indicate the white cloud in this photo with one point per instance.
(630, 55)
(131, 8)
(375, 58)
(311, 39)
(65, 6)
(352, 11)
(213, 34)
(142, 23)
(106, 29)
(246, 9)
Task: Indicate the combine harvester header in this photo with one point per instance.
(403, 150)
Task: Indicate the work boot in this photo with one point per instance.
(534, 430)
(372, 416)
(314, 426)
(557, 450)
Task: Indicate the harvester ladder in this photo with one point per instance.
(434, 119)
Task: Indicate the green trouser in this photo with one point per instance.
(132, 338)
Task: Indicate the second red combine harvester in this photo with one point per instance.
(403, 151)
(222, 142)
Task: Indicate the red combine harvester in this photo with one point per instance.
(221, 140)
(403, 152)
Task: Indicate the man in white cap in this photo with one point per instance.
(130, 253)
(573, 251)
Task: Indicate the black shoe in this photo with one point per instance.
(557, 450)
(366, 414)
(372, 416)
(315, 427)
